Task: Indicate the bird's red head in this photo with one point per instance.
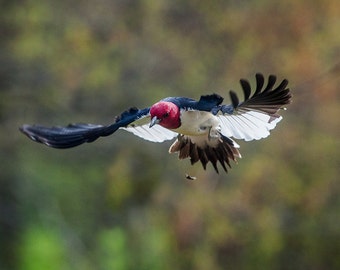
(166, 114)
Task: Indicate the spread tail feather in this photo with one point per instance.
(220, 149)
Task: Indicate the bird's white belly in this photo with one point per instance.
(196, 123)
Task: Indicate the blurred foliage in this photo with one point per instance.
(124, 203)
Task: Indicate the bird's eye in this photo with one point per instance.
(166, 115)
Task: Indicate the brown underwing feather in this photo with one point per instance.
(178, 144)
(193, 153)
(203, 157)
(211, 157)
(214, 150)
(185, 151)
(220, 158)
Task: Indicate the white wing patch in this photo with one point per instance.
(247, 125)
(156, 133)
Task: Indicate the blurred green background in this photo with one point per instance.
(124, 203)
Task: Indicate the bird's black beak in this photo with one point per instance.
(154, 121)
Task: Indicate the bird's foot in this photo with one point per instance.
(213, 133)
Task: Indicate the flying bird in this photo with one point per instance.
(204, 128)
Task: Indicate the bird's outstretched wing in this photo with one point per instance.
(141, 128)
(132, 120)
(253, 118)
(68, 136)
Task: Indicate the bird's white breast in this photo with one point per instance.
(197, 123)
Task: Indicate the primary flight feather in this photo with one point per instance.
(203, 128)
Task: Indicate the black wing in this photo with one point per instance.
(76, 134)
(267, 100)
(253, 118)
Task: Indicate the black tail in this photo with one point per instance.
(69, 136)
(220, 149)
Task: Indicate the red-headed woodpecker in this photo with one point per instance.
(203, 128)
